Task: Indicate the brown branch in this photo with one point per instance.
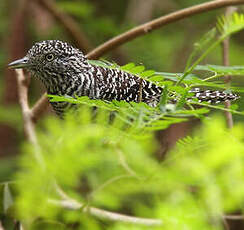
(26, 112)
(29, 126)
(39, 108)
(69, 25)
(155, 24)
(234, 217)
(225, 223)
(152, 25)
(226, 62)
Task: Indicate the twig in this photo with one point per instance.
(72, 204)
(124, 164)
(225, 223)
(26, 112)
(29, 126)
(39, 108)
(234, 217)
(107, 183)
(216, 107)
(155, 24)
(69, 25)
(102, 214)
(226, 62)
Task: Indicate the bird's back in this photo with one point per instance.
(116, 84)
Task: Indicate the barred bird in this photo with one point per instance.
(65, 71)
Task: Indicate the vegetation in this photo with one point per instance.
(98, 168)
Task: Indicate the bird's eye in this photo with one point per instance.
(49, 57)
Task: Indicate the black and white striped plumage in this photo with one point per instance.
(64, 70)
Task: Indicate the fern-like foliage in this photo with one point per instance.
(230, 25)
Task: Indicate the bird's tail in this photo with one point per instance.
(212, 96)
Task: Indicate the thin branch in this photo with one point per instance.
(72, 204)
(107, 183)
(157, 23)
(216, 107)
(102, 214)
(226, 62)
(72, 28)
(26, 112)
(225, 223)
(29, 126)
(234, 217)
(39, 108)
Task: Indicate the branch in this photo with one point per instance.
(72, 204)
(225, 223)
(29, 126)
(234, 217)
(26, 112)
(226, 62)
(39, 108)
(102, 214)
(155, 24)
(72, 28)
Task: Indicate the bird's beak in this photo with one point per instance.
(20, 63)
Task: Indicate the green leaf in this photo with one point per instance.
(176, 76)
(128, 66)
(137, 69)
(195, 111)
(102, 63)
(156, 78)
(227, 26)
(231, 24)
(147, 73)
(222, 70)
(182, 99)
(163, 99)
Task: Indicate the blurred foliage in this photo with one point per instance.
(105, 157)
(111, 167)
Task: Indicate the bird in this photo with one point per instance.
(65, 71)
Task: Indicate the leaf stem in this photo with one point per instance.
(212, 47)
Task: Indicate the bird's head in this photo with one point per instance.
(51, 57)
